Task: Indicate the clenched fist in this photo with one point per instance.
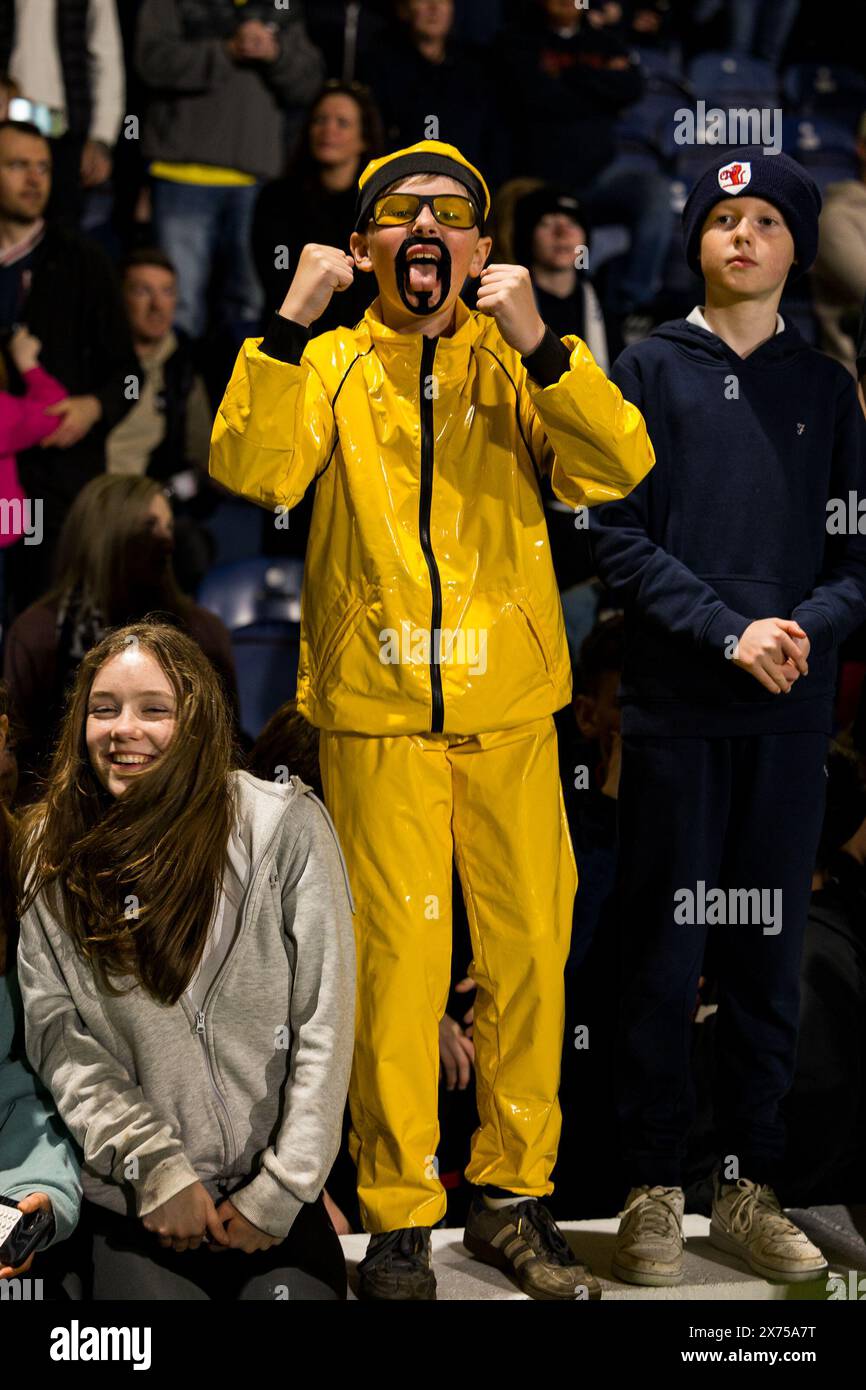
(321, 271)
(506, 293)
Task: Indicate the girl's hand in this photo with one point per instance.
(24, 349)
(182, 1221)
(34, 1201)
(242, 1234)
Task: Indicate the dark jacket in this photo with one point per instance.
(75, 308)
(292, 212)
(410, 89)
(562, 98)
(179, 374)
(731, 526)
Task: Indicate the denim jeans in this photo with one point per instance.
(203, 228)
(761, 27)
(640, 198)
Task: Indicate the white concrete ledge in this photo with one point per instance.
(710, 1274)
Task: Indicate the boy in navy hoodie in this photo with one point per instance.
(739, 584)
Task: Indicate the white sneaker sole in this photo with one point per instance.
(653, 1279)
(722, 1241)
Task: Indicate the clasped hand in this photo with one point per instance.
(190, 1217)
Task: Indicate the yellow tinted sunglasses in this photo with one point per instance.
(449, 209)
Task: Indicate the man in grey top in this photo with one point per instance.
(215, 128)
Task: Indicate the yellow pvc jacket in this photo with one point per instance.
(430, 603)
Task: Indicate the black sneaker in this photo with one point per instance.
(525, 1242)
(398, 1266)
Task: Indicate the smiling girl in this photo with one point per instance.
(187, 970)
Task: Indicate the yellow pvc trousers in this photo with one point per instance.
(402, 805)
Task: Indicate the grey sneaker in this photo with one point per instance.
(748, 1221)
(525, 1242)
(649, 1242)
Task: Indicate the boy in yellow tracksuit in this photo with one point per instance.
(433, 656)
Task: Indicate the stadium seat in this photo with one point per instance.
(260, 603)
(726, 79)
(235, 527)
(827, 90)
(661, 64)
(691, 160)
(827, 148)
(645, 129)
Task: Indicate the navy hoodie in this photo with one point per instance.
(731, 525)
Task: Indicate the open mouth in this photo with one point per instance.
(421, 269)
(132, 761)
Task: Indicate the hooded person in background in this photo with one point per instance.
(551, 238)
(433, 656)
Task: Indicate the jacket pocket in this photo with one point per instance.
(338, 640)
(536, 630)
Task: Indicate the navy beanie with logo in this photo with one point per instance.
(777, 179)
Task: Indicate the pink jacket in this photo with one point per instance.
(23, 423)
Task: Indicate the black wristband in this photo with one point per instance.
(547, 363)
(285, 340)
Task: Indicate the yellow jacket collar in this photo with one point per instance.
(403, 350)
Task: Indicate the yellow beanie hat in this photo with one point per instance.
(427, 157)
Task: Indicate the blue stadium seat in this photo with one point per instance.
(826, 89)
(260, 603)
(827, 148)
(646, 128)
(235, 526)
(729, 80)
(692, 160)
(661, 64)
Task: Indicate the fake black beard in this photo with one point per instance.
(401, 272)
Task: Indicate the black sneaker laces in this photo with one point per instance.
(401, 1249)
(538, 1227)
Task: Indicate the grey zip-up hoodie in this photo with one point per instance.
(246, 1096)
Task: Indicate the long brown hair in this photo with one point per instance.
(100, 552)
(162, 843)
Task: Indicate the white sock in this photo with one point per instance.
(494, 1203)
